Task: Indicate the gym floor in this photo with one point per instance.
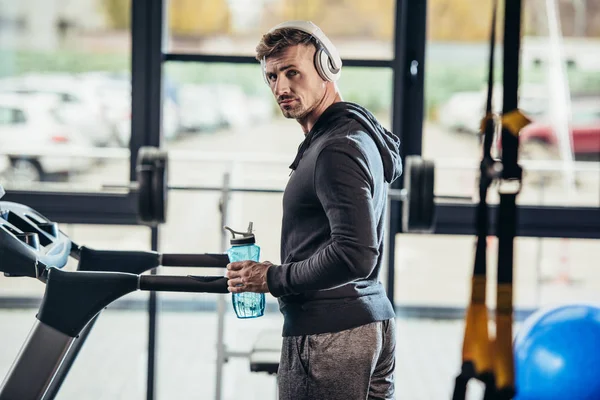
(112, 364)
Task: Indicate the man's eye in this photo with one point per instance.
(271, 77)
(292, 73)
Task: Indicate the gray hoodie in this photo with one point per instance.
(333, 222)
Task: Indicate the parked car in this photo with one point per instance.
(206, 107)
(233, 105)
(462, 112)
(80, 104)
(199, 110)
(30, 126)
(113, 93)
(170, 123)
(541, 137)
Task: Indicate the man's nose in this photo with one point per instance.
(281, 87)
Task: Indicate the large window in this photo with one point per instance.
(234, 27)
(223, 100)
(457, 54)
(547, 271)
(65, 92)
(231, 130)
(229, 122)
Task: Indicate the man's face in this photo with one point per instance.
(294, 81)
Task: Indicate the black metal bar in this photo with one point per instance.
(209, 58)
(190, 283)
(152, 319)
(414, 76)
(407, 108)
(233, 59)
(394, 213)
(155, 67)
(219, 189)
(551, 222)
(133, 262)
(139, 78)
(146, 76)
(452, 219)
(195, 260)
(80, 208)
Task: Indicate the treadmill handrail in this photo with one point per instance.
(73, 298)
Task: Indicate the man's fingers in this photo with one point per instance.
(235, 281)
(233, 274)
(246, 276)
(236, 266)
(243, 289)
(235, 289)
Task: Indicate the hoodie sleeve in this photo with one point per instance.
(344, 187)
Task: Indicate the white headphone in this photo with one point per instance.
(327, 59)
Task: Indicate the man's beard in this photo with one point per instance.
(295, 112)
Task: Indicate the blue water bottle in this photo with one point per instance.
(247, 304)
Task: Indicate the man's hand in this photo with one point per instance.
(247, 276)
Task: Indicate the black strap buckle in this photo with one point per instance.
(511, 180)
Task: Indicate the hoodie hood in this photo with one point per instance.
(387, 143)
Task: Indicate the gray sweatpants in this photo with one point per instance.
(357, 363)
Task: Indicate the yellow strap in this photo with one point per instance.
(503, 353)
(504, 298)
(478, 289)
(484, 121)
(514, 121)
(476, 345)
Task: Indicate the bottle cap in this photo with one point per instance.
(247, 237)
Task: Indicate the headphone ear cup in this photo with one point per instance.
(263, 70)
(323, 65)
(321, 60)
(334, 75)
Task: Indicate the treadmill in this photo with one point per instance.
(33, 246)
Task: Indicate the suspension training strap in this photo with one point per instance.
(476, 352)
(509, 187)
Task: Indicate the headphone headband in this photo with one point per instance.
(316, 32)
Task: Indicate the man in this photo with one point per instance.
(338, 333)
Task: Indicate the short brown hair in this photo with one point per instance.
(273, 43)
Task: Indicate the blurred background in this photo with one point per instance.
(66, 87)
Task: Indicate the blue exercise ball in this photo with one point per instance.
(557, 354)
